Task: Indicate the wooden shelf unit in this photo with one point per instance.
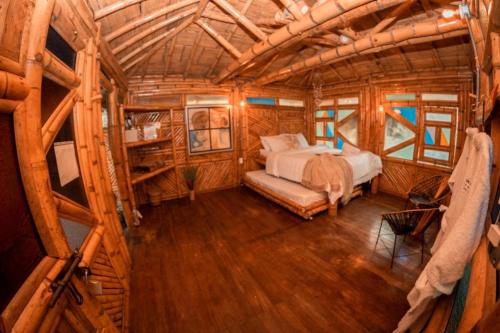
(161, 149)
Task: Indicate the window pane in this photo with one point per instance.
(348, 101)
(396, 133)
(326, 102)
(407, 112)
(430, 135)
(340, 143)
(320, 129)
(445, 136)
(440, 97)
(437, 154)
(261, 100)
(291, 102)
(400, 97)
(330, 126)
(405, 153)
(342, 114)
(329, 144)
(207, 100)
(350, 130)
(325, 114)
(434, 116)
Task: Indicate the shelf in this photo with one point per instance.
(146, 142)
(140, 177)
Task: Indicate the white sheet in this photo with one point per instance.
(290, 190)
(290, 164)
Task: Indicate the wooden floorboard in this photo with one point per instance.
(232, 261)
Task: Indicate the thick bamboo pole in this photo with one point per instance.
(144, 46)
(243, 20)
(56, 70)
(91, 246)
(291, 6)
(146, 32)
(12, 86)
(114, 7)
(218, 38)
(324, 16)
(148, 18)
(412, 34)
(57, 119)
(31, 155)
(393, 15)
(72, 210)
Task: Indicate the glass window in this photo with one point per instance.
(326, 102)
(445, 136)
(401, 97)
(330, 129)
(342, 114)
(396, 133)
(261, 100)
(207, 100)
(349, 130)
(348, 101)
(405, 153)
(407, 112)
(320, 129)
(430, 135)
(434, 116)
(325, 114)
(437, 154)
(291, 102)
(439, 97)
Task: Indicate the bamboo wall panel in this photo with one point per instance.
(261, 121)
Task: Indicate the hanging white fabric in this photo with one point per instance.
(461, 228)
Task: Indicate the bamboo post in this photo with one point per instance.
(31, 155)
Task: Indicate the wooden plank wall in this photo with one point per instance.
(398, 176)
(216, 171)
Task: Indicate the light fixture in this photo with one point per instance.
(242, 103)
(448, 13)
(381, 108)
(464, 11)
(344, 39)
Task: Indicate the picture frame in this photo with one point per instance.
(209, 129)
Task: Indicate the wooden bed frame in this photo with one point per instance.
(308, 211)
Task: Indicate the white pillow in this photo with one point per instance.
(265, 144)
(278, 143)
(348, 149)
(302, 140)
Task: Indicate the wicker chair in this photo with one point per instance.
(429, 193)
(413, 222)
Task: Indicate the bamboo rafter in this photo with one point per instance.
(242, 19)
(411, 34)
(114, 7)
(148, 18)
(291, 6)
(316, 16)
(219, 39)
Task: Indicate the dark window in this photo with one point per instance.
(57, 45)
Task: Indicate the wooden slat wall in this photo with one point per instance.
(216, 170)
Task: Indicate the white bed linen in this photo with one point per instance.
(290, 190)
(290, 164)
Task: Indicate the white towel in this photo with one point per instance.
(461, 229)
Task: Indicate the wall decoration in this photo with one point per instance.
(209, 129)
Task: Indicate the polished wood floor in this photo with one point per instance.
(232, 261)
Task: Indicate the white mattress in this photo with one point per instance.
(290, 190)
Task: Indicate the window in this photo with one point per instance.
(207, 100)
(420, 127)
(337, 121)
(296, 103)
(261, 100)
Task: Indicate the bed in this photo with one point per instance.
(280, 180)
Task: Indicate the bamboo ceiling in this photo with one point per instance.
(224, 39)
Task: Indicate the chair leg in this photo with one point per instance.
(422, 251)
(379, 230)
(394, 249)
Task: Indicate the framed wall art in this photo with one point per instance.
(209, 129)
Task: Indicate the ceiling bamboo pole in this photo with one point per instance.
(114, 7)
(322, 13)
(146, 32)
(144, 46)
(291, 6)
(144, 57)
(219, 39)
(393, 16)
(231, 34)
(411, 34)
(219, 17)
(145, 19)
(242, 19)
(57, 118)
